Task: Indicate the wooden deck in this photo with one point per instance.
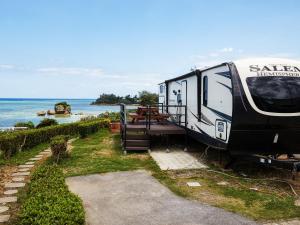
(157, 129)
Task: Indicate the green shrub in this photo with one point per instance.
(28, 124)
(12, 142)
(47, 122)
(92, 127)
(59, 146)
(113, 116)
(48, 200)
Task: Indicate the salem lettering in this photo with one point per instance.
(274, 68)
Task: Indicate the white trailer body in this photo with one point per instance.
(243, 103)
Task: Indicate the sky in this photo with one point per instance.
(82, 48)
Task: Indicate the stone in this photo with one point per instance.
(193, 184)
(11, 192)
(297, 202)
(23, 170)
(39, 156)
(4, 218)
(8, 199)
(223, 183)
(14, 185)
(18, 179)
(29, 163)
(20, 174)
(3, 209)
(253, 189)
(26, 166)
(36, 159)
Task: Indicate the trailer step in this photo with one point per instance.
(137, 143)
(137, 137)
(132, 148)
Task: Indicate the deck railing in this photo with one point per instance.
(123, 120)
(177, 114)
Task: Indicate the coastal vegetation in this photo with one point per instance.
(29, 124)
(113, 116)
(47, 122)
(143, 98)
(13, 142)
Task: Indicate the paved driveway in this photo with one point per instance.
(136, 198)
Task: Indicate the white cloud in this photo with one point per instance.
(226, 50)
(6, 66)
(220, 52)
(216, 57)
(71, 71)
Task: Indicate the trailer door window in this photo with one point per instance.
(275, 94)
(205, 90)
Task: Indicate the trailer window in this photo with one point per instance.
(205, 90)
(161, 89)
(275, 94)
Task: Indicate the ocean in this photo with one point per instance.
(13, 110)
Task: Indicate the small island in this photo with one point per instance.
(143, 98)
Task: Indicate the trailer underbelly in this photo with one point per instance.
(265, 141)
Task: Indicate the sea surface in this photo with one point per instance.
(23, 110)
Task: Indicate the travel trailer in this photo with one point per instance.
(249, 106)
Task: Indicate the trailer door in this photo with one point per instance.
(183, 101)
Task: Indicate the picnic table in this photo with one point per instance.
(141, 114)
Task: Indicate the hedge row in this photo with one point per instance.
(12, 142)
(88, 128)
(48, 200)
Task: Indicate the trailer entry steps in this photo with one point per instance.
(136, 136)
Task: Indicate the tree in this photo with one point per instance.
(148, 98)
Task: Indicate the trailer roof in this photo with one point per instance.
(241, 65)
(194, 72)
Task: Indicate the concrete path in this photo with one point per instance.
(176, 160)
(135, 198)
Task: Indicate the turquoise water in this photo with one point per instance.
(22, 110)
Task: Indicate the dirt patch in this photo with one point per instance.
(103, 152)
(5, 175)
(138, 156)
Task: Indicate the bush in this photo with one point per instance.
(28, 124)
(113, 116)
(47, 122)
(48, 200)
(92, 127)
(59, 146)
(12, 142)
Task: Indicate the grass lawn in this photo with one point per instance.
(101, 152)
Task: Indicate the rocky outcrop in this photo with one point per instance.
(62, 108)
(41, 113)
